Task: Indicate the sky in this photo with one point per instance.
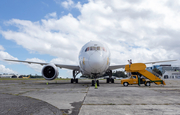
(55, 30)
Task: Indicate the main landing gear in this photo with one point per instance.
(74, 80)
(75, 73)
(110, 79)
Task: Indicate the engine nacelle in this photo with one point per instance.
(50, 72)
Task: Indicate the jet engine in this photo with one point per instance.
(50, 72)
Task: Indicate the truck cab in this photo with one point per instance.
(134, 79)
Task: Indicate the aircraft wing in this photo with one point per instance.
(159, 61)
(123, 66)
(72, 67)
(116, 67)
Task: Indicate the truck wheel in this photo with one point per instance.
(148, 84)
(125, 83)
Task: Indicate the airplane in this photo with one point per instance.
(26, 77)
(94, 61)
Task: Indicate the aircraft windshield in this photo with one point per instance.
(92, 48)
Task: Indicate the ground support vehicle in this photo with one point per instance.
(137, 70)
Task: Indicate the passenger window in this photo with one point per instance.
(91, 48)
(98, 48)
(134, 77)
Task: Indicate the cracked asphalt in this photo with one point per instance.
(35, 97)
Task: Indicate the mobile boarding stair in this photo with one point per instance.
(141, 69)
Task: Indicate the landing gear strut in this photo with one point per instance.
(75, 73)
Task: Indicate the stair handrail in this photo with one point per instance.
(156, 74)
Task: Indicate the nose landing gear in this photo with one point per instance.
(95, 82)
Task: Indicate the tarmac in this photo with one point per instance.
(36, 97)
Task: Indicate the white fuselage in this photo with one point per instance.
(94, 58)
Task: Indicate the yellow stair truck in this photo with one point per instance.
(137, 70)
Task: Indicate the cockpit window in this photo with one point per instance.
(92, 48)
(87, 49)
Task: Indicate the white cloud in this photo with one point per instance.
(63, 61)
(67, 3)
(140, 30)
(5, 55)
(78, 5)
(51, 15)
(1, 48)
(3, 69)
(36, 67)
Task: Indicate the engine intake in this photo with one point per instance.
(50, 72)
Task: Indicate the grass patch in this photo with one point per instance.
(16, 94)
(1, 79)
(22, 83)
(143, 104)
(126, 104)
(112, 104)
(100, 104)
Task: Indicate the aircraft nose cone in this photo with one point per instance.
(96, 61)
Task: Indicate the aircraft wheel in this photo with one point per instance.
(72, 80)
(76, 80)
(97, 82)
(107, 80)
(126, 84)
(93, 83)
(112, 80)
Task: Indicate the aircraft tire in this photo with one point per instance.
(76, 80)
(72, 80)
(97, 82)
(107, 80)
(93, 83)
(112, 80)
